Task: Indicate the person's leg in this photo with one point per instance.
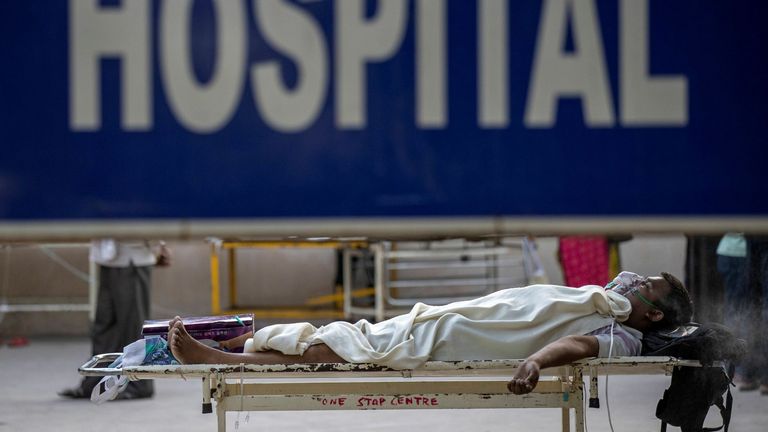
(102, 329)
(761, 252)
(737, 303)
(733, 271)
(236, 342)
(754, 359)
(134, 296)
(187, 350)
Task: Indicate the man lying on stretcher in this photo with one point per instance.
(546, 324)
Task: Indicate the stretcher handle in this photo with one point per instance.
(90, 369)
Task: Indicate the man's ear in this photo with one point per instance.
(654, 315)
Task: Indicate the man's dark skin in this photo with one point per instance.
(572, 348)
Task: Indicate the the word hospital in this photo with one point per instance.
(331, 55)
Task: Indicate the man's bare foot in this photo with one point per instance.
(187, 349)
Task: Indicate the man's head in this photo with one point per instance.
(676, 305)
(657, 302)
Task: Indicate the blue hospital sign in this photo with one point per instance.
(254, 109)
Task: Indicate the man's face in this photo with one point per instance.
(645, 293)
(648, 292)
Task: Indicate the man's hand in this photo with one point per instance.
(525, 379)
(225, 345)
(163, 257)
(560, 352)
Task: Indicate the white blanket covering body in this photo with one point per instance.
(511, 323)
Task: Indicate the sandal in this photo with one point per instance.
(74, 393)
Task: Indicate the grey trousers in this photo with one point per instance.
(121, 308)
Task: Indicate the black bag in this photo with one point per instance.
(695, 389)
(704, 342)
(687, 400)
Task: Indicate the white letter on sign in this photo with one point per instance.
(203, 108)
(557, 74)
(293, 32)
(96, 33)
(493, 63)
(646, 101)
(358, 41)
(431, 67)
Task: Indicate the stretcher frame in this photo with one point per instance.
(436, 385)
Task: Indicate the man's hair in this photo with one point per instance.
(677, 305)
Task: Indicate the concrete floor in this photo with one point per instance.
(30, 377)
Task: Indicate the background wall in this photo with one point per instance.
(29, 274)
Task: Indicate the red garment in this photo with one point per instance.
(584, 260)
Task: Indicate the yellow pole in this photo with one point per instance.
(232, 279)
(215, 288)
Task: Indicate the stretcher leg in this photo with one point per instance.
(207, 407)
(221, 416)
(566, 419)
(579, 418)
(578, 389)
(566, 413)
(594, 399)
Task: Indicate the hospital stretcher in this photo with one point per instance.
(436, 385)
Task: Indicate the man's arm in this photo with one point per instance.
(236, 342)
(560, 352)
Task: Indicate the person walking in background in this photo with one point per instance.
(123, 303)
(738, 307)
(756, 364)
(587, 260)
(584, 260)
